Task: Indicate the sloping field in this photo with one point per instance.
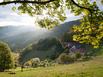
(92, 68)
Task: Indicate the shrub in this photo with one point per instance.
(35, 62)
(78, 55)
(65, 58)
(45, 63)
(86, 58)
(28, 64)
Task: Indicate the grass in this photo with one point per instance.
(92, 68)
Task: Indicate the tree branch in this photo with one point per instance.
(90, 10)
(80, 6)
(32, 2)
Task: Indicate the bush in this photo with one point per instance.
(86, 58)
(45, 63)
(78, 55)
(28, 64)
(65, 58)
(35, 62)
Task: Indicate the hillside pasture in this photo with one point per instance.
(92, 68)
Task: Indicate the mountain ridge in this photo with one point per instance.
(18, 37)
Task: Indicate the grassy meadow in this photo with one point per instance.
(92, 68)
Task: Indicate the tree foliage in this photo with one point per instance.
(53, 11)
(5, 57)
(90, 30)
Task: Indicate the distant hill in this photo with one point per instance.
(19, 37)
(59, 30)
(49, 48)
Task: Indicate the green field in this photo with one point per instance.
(92, 68)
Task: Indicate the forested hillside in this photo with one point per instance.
(49, 48)
(19, 37)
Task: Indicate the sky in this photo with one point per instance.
(9, 17)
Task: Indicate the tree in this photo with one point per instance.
(90, 30)
(16, 57)
(53, 12)
(5, 57)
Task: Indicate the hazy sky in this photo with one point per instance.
(9, 17)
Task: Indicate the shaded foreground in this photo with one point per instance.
(93, 68)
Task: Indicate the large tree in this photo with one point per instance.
(6, 61)
(53, 12)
